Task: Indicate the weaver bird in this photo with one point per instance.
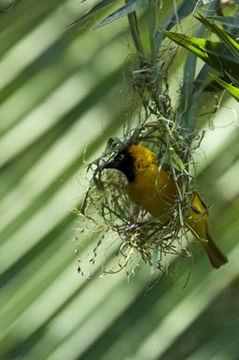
(155, 191)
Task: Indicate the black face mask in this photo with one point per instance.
(124, 162)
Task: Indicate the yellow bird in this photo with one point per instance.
(156, 192)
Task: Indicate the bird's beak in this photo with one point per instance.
(110, 165)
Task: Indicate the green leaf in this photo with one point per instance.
(232, 89)
(127, 9)
(104, 4)
(230, 44)
(234, 81)
(225, 20)
(209, 51)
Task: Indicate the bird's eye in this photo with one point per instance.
(121, 157)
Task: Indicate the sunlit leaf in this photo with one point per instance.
(209, 51)
(230, 44)
(232, 89)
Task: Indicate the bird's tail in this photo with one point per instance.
(215, 255)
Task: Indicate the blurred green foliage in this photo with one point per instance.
(63, 93)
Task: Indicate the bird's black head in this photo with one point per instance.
(124, 162)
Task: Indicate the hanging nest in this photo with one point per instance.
(107, 207)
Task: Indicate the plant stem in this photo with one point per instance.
(152, 21)
(133, 26)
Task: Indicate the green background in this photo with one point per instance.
(63, 92)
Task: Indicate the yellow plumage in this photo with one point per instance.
(143, 190)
